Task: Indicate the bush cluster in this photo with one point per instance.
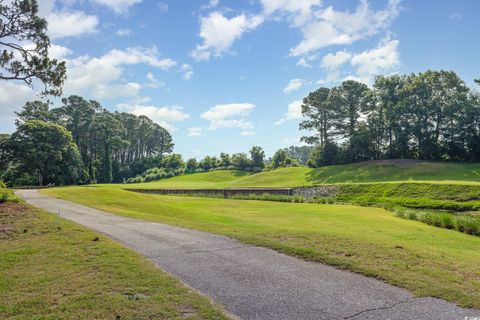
(462, 223)
(6, 194)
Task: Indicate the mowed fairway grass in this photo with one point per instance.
(426, 260)
(363, 172)
(53, 269)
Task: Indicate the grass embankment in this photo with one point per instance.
(441, 205)
(426, 260)
(54, 269)
(363, 172)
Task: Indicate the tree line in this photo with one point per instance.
(432, 115)
(79, 142)
(173, 164)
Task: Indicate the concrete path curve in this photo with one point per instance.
(253, 282)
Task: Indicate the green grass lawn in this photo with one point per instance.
(53, 269)
(426, 260)
(363, 172)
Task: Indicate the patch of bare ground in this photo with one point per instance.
(10, 214)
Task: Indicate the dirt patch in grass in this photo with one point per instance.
(10, 214)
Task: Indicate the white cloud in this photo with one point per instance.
(99, 76)
(294, 112)
(383, 58)
(162, 7)
(330, 27)
(195, 132)
(456, 16)
(118, 6)
(164, 116)
(13, 97)
(153, 82)
(368, 63)
(124, 32)
(59, 52)
(303, 63)
(247, 133)
(229, 116)
(68, 24)
(333, 62)
(293, 85)
(187, 71)
(299, 11)
(211, 4)
(219, 33)
(129, 89)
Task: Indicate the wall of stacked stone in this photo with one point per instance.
(317, 191)
(307, 192)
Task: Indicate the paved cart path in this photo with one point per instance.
(253, 282)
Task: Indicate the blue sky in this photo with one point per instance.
(226, 75)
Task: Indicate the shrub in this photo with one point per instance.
(6, 194)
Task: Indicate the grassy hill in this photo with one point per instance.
(363, 172)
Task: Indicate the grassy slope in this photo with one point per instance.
(365, 172)
(52, 269)
(426, 260)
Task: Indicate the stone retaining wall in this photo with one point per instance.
(307, 192)
(316, 191)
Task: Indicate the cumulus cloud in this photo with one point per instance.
(195, 132)
(383, 58)
(118, 6)
(297, 11)
(303, 62)
(187, 71)
(219, 33)
(162, 7)
(332, 63)
(165, 116)
(294, 112)
(59, 52)
(99, 76)
(331, 27)
(68, 24)
(247, 133)
(231, 115)
(154, 82)
(210, 4)
(124, 32)
(12, 98)
(293, 85)
(375, 61)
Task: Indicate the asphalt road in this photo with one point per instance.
(253, 282)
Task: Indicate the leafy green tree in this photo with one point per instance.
(48, 151)
(324, 155)
(279, 158)
(5, 152)
(24, 47)
(173, 161)
(257, 156)
(320, 116)
(191, 165)
(225, 160)
(106, 134)
(206, 163)
(34, 110)
(240, 161)
(299, 153)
